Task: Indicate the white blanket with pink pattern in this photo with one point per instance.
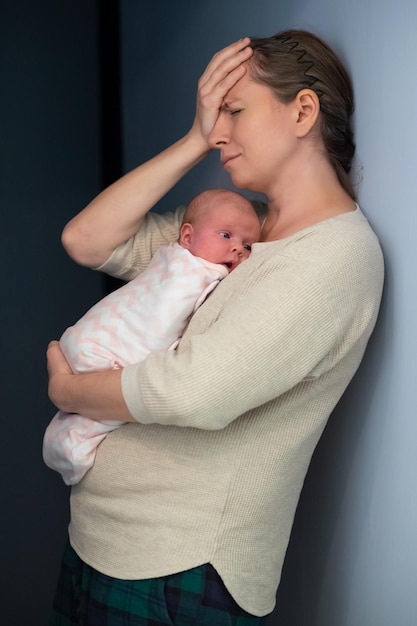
(149, 313)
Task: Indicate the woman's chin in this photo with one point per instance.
(240, 182)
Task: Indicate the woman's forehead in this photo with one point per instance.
(244, 90)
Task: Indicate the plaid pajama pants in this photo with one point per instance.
(196, 597)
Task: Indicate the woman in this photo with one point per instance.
(188, 510)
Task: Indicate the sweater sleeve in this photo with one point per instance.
(133, 257)
(269, 337)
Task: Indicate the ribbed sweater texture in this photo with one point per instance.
(227, 424)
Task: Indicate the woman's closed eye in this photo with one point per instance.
(234, 111)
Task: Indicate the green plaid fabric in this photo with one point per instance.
(197, 597)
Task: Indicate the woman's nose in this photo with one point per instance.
(219, 134)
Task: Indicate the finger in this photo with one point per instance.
(52, 343)
(53, 350)
(221, 84)
(56, 361)
(225, 62)
(227, 53)
(223, 71)
(212, 95)
(214, 87)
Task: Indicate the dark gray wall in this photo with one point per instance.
(49, 169)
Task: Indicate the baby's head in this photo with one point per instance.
(220, 226)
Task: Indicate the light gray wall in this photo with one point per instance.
(352, 559)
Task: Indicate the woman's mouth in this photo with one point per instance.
(227, 159)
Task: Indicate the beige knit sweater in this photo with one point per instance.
(227, 424)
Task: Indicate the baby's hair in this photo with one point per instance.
(200, 205)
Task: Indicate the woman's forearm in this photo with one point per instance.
(97, 395)
(116, 213)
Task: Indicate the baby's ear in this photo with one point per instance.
(186, 235)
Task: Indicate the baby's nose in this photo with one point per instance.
(237, 247)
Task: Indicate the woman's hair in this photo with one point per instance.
(294, 60)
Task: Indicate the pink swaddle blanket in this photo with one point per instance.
(149, 313)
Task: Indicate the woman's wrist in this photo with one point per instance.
(196, 145)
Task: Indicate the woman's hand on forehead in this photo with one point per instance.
(221, 74)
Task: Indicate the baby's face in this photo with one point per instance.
(226, 235)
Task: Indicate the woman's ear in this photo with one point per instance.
(308, 106)
(186, 236)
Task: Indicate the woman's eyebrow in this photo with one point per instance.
(228, 104)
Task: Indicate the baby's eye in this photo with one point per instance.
(247, 246)
(224, 234)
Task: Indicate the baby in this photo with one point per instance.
(150, 313)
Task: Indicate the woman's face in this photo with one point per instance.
(255, 133)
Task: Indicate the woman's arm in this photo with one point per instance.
(116, 214)
(96, 395)
(268, 341)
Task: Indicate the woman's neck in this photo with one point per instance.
(304, 203)
(276, 226)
